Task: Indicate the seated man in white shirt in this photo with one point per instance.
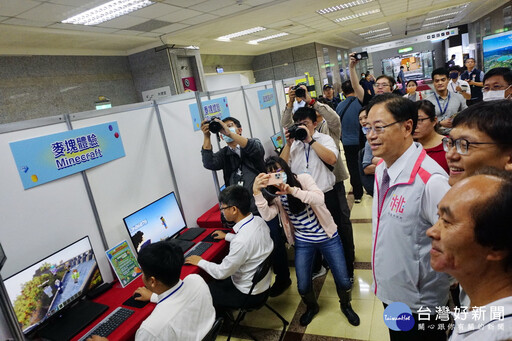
(249, 246)
(184, 309)
(472, 241)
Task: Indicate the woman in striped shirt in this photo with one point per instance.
(310, 227)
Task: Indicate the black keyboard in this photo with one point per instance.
(198, 249)
(109, 323)
(191, 234)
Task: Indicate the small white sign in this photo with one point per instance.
(150, 95)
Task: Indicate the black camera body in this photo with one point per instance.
(298, 133)
(361, 55)
(300, 92)
(214, 127)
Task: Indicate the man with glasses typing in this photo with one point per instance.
(408, 187)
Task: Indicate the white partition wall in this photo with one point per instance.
(41, 220)
(195, 183)
(163, 154)
(123, 186)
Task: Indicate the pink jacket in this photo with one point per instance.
(310, 194)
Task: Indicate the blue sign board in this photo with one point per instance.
(266, 98)
(46, 158)
(214, 108)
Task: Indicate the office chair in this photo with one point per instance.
(212, 334)
(259, 275)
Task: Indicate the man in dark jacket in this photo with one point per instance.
(241, 161)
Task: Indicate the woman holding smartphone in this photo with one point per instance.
(310, 227)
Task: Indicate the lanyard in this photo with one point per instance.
(247, 222)
(451, 84)
(306, 153)
(166, 297)
(445, 106)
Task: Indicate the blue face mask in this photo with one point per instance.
(228, 139)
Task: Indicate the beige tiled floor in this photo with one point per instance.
(330, 322)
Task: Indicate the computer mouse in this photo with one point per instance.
(135, 295)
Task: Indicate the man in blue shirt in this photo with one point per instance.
(348, 110)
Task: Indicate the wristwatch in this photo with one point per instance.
(312, 141)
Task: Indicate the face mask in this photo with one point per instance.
(284, 177)
(228, 139)
(454, 75)
(494, 95)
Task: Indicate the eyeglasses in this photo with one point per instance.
(377, 129)
(495, 87)
(380, 85)
(223, 208)
(423, 119)
(461, 145)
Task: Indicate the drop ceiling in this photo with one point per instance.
(33, 27)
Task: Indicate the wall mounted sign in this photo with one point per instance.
(266, 98)
(214, 108)
(46, 158)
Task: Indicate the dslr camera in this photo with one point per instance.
(298, 133)
(300, 92)
(214, 126)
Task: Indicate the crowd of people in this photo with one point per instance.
(440, 171)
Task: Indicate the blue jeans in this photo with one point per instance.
(332, 250)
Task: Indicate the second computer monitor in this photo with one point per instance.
(157, 221)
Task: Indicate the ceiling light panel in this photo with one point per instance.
(241, 33)
(357, 15)
(442, 16)
(342, 6)
(436, 23)
(107, 11)
(256, 41)
(374, 31)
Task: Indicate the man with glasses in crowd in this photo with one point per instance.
(408, 187)
(383, 83)
(497, 84)
(447, 104)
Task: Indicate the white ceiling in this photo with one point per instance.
(32, 27)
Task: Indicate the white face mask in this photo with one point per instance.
(494, 95)
(228, 139)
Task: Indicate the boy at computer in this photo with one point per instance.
(249, 246)
(184, 309)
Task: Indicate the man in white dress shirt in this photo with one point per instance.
(184, 309)
(249, 246)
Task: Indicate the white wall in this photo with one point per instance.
(227, 81)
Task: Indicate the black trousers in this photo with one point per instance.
(226, 296)
(351, 156)
(431, 331)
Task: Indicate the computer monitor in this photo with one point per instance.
(160, 220)
(53, 284)
(278, 140)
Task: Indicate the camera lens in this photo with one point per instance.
(214, 127)
(301, 134)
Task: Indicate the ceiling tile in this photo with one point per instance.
(257, 2)
(123, 22)
(155, 11)
(230, 10)
(11, 8)
(48, 12)
(170, 28)
(199, 19)
(179, 15)
(83, 28)
(26, 22)
(210, 6)
(183, 3)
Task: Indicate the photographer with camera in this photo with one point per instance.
(241, 161)
(327, 123)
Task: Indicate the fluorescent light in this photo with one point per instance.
(241, 33)
(342, 6)
(107, 11)
(256, 41)
(437, 23)
(374, 31)
(442, 15)
(373, 11)
(192, 47)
